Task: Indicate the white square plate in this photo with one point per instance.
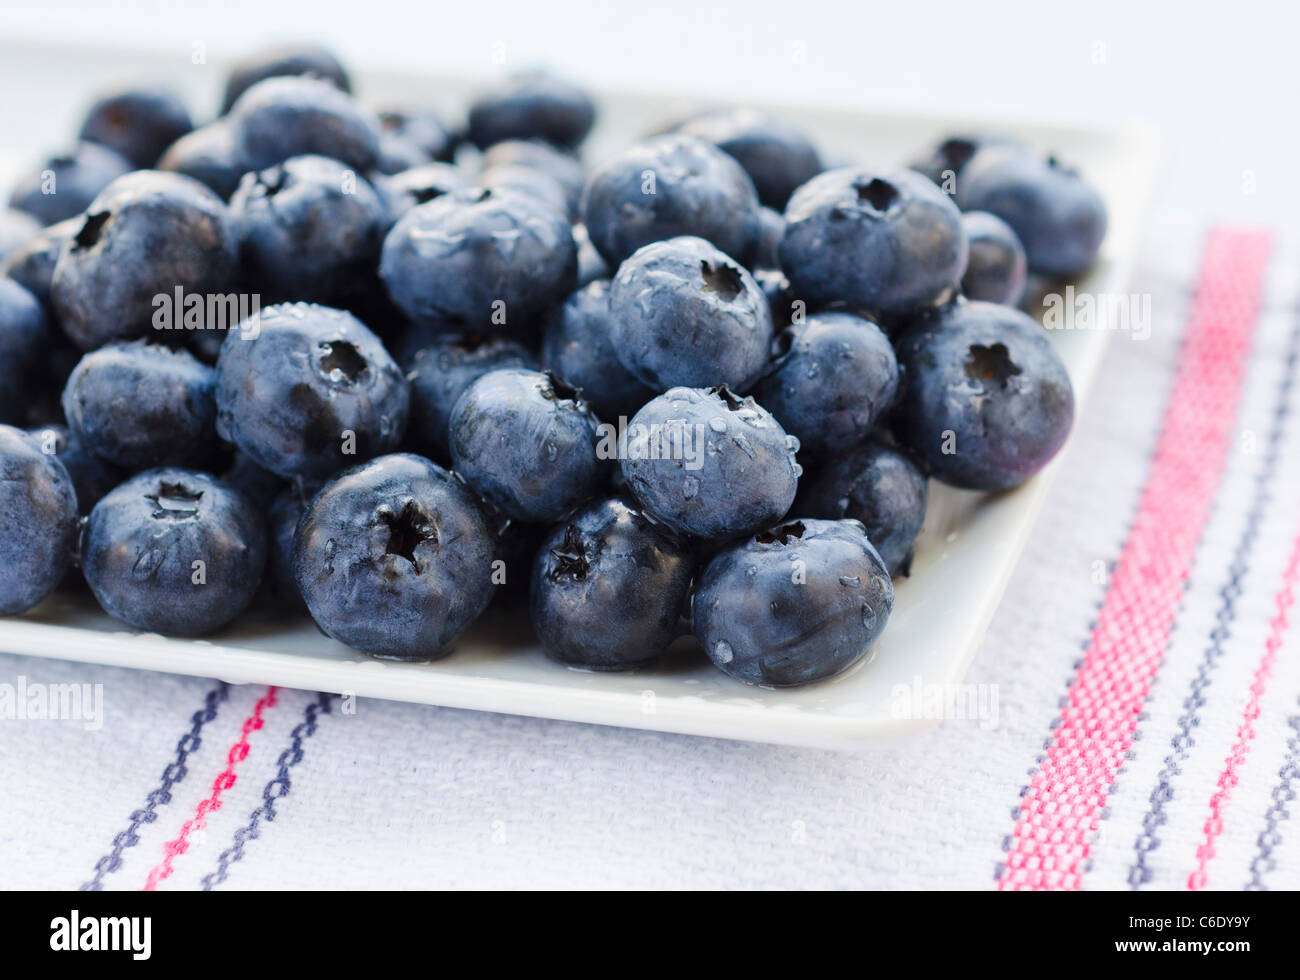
(964, 557)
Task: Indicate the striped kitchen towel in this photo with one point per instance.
(1140, 693)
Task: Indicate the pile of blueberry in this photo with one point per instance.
(395, 370)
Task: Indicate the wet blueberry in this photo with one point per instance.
(419, 185)
(794, 604)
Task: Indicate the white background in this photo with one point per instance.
(1219, 79)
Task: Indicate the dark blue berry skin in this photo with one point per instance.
(91, 476)
(685, 314)
(140, 405)
(142, 542)
(290, 396)
(287, 117)
(32, 265)
(777, 156)
(881, 488)
(493, 261)
(531, 105)
(997, 270)
(780, 296)
(578, 346)
(146, 235)
(986, 400)
(793, 605)
(945, 162)
(771, 228)
(423, 129)
(281, 61)
(697, 190)
(439, 373)
(1058, 216)
(282, 523)
(530, 182)
(833, 380)
(208, 155)
(394, 558)
(139, 124)
(888, 244)
(24, 346)
(591, 264)
(609, 587)
(419, 185)
(561, 166)
(63, 186)
(309, 229)
(396, 153)
(526, 443)
(39, 509)
(17, 228)
(258, 485)
(724, 465)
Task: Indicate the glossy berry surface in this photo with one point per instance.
(883, 243)
(526, 443)
(682, 313)
(140, 405)
(997, 270)
(986, 400)
(834, 377)
(708, 463)
(609, 588)
(307, 390)
(148, 234)
(393, 558)
(881, 488)
(794, 604)
(39, 506)
(669, 186)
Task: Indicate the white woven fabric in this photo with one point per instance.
(401, 796)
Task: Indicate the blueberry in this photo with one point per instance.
(91, 476)
(578, 345)
(419, 185)
(795, 604)
(138, 123)
(1058, 216)
(609, 587)
(32, 265)
(287, 117)
(17, 228)
(780, 295)
(531, 105)
(777, 156)
(591, 265)
(439, 373)
(986, 400)
(282, 522)
(24, 342)
(208, 155)
(833, 380)
(492, 260)
(684, 313)
(40, 514)
(309, 229)
(997, 269)
(514, 546)
(559, 165)
(142, 405)
(421, 128)
(148, 234)
(306, 390)
(708, 463)
(945, 162)
(668, 186)
(771, 226)
(259, 486)
(878, 486)
(888, 244)
(280, 61)
(526, 443)
(396, 153)
(63, 186)
(393, 558)
(174, 551)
